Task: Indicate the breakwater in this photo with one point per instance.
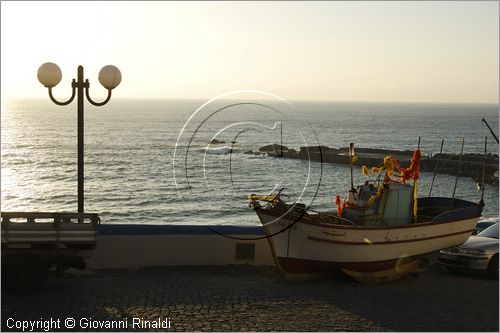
(471, 165)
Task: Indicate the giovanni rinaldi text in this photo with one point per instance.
(86, 323)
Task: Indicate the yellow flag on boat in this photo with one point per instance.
(388, 166)
(364, 171)
(270, 198)
(352, 154)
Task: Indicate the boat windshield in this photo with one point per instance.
(491, 232)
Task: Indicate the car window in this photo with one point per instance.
(491, 232)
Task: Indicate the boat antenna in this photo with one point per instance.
(435, 168)
(351, 156)
(281, 138)
(481, 202)
(492, 133)
(458, 172)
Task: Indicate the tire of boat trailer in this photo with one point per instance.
(26, 273)
(493, 267)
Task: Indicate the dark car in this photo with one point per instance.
(480, 226)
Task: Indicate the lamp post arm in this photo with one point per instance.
(90, 99)
(73, 94)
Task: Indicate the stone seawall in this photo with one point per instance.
(471, 164)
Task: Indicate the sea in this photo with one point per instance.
(155, 161)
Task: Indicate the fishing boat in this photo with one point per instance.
(381, 231)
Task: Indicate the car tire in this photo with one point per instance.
(493, 267)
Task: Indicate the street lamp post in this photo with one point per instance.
(49, 74)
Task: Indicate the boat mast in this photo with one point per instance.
(435, 168)
(281, 138)
(492, 133)
(414, 186)
(351, 156)
(458, 171)
(481, 202)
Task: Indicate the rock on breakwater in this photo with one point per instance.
(471, 164)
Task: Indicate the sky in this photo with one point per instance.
(341, 51)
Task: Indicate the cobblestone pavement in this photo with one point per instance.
(249, 298)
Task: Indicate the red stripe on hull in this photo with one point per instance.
(294, 265)
(389, 242)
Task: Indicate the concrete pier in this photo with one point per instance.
(142, 245)
(472, 164)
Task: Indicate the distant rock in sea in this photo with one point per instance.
(273, 148)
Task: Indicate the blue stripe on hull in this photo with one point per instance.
(149, 229)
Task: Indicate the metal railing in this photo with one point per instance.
(31, 217)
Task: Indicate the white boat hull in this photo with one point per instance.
(309, 246)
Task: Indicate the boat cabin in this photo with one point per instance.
(392, 208)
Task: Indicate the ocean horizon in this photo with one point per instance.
(145, 159)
